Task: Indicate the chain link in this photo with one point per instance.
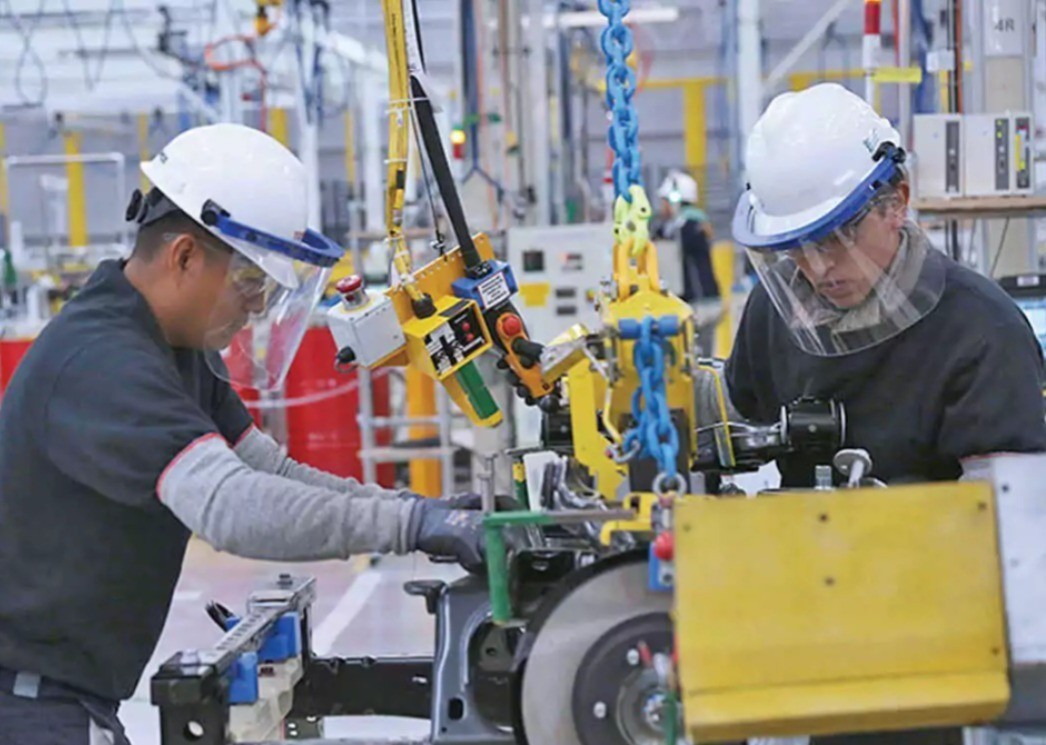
(631, 206)
(617, 44)
(653, 435)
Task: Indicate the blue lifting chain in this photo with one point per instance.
(631, 206)
(654, 434)
(617, 43)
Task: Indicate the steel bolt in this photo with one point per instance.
(600, 710)
(633, 657)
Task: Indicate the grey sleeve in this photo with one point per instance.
(262, 453)
(258, 515)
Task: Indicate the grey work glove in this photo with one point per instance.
(438, 531)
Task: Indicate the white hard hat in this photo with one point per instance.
(818, 162)
(808, 153)
(247, 174)
(249, 191)
(678, 187)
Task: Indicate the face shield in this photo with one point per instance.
(272, 287)
(848, 281)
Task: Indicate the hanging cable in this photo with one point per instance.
(251, 61)
(26, 53)
(440, 242)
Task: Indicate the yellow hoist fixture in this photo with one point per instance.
(439, 319)
(263, 24)
(419, 322)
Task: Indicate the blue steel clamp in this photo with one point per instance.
(282, 644)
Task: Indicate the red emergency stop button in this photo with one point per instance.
(665, 546)
(511, 325)
(349, 285)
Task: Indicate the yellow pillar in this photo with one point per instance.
(350, 149)
(77, 205)
(723, 268)
(143, 149)
(695, 125)
(425, 474)
(278, 126)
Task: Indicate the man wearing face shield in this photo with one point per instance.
(121, 434)
(934, 363)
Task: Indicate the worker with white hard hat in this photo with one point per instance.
(934, 362)
(121, 435)
(684, 221)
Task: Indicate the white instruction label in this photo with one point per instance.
(494, 290)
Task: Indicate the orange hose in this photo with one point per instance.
(252, 62)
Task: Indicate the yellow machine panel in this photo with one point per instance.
(828, 612)
(587, 391)
(444, 342)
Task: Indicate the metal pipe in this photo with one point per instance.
(59, 160)
(308, 130)
(443, 415)
(537, 106)
(871, 44)
(373, 113)
(749, 66)
(403, 421)
(903, 40)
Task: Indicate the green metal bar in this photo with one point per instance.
(671, 716)
(497, 558)
(497, 553)
(497, 575)
(517, 518)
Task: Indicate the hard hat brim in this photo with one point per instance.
(747, 212)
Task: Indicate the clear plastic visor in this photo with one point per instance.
(258, 322)
(860, 285)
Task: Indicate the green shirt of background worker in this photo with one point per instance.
(121, 434)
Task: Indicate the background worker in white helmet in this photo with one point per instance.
(934, 363)
(684, 221)
(120, 435)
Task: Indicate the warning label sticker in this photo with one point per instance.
(494, 290)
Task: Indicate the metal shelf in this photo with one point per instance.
(402, 455)
(1031, 205)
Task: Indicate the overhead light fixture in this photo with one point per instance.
(595, 19)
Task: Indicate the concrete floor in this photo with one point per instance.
(360, 610)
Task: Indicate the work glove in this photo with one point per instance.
(439, 531)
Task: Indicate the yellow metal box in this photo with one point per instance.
(843, 611)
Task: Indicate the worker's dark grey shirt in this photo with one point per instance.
(965, 380)
(89, 557)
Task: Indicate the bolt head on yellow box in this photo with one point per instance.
(835, 612)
